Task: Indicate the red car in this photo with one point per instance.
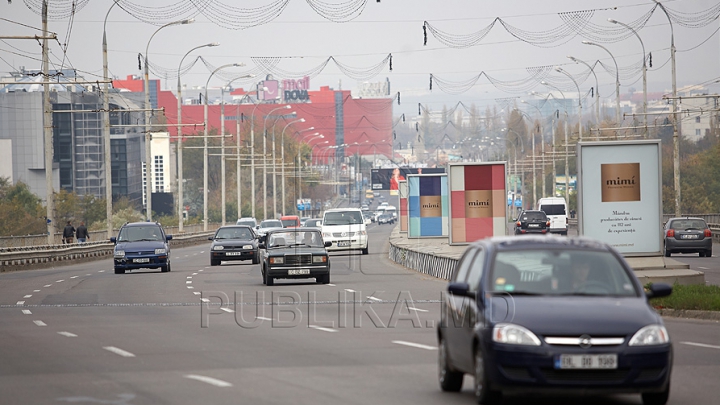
(290, 221)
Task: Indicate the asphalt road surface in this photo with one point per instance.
(83, 335)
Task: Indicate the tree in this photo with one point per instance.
(21, 212)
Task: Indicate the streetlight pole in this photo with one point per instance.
(205, 148)
(644, 71)
(264, 181)
(106, 130)
(282, 163)
(597, 95)
(148, 134)
(580, 123)
(181, 200)
(237, 153)
(617, 81)
(677, 127)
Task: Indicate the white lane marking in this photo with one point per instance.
(36, 290)
(227, 310)
(188, 282)
(60, 281)
(101, 271)
(349, 290)
(190, 287)
(209, 380)
(330, 285)
(370, 297)
(322, 329)
(200, 270)
(88, 274)
(196, 292)
(201, 252)
(27, 312)
(204, 300)
(74, 276)
(418, 309)
(194, 274)
(20, 303)
(411, 344)
(117, 351)
(39, 323)
(27, 296)
(48, 285)
(67, 334)
(704, 268)
(188, 277)
(701, 345)
(262, 318)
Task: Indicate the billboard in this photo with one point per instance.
(427, 205)
(478, 201)
(620, 194)
(387, 179)
(403, 205)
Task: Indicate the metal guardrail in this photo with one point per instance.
(30, 257)
(426, 263)
(41, 240)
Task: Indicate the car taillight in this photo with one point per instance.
(708, 233)
(671, 233)
(547, 224)
(518, 223)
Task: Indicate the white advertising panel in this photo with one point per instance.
(620, 195)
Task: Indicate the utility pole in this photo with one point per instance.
(48, 129)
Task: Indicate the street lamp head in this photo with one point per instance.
(572, 58)
(213, 44)
(588, 43)
(610, 20)
(287, 107)
(309, 129)
(544, 83)
(301, 119)
(558, 69)
(188, 21)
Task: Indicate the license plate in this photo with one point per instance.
(586, 361)
(533, 225)
(233, 253)
(688, 236)
(298, 272)
(143, 260)
(346, 243)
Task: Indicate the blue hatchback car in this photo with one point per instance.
(555, 315)
(141, 245)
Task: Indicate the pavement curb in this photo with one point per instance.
(688, 313)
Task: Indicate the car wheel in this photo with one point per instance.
(256, 258)
(449, 379)
(269, 280)
(701, 254)
(365, 251)
(667, 252)
(483, 394)
(214, 262)
(656, 398)
(119, 271)
(708, 253)
(166, 269)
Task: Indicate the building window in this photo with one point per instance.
(697, 132)
(697, 119)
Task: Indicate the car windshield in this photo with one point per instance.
(688, 224)
(271, 224)
(343, 218)
(312, 222)
(234, 233)
(553, 209)
(246, 223)
(531, 216)
(560, 272)
(289, 222)
(295, 239)
(140, 233)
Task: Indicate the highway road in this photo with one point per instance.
(83, 335)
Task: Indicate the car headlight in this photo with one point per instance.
(160, 251)
(277, 260)
(218, 247)
(247, 247)
(119, 253)
(362, 233)
(650, 335)
(326, 234)
(514, 335)
(319, 259)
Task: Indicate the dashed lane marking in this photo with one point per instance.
(27, 296)
(119, 352)
(227, 310)
(20, 303)
(322, 329)
(39, 323)
(47, 285)
(209, 380)
(67, 334)
(74, 276)
(370, 297)
(418, 309)
(701, 345)
(60, 281)
(416, 345)
(26, 312)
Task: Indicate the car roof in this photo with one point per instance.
(541, 241)
(236, 226)
(681, 218)
(143, 224)
(289, 217)
(298, 229)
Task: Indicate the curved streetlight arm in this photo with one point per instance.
(634, 32)
(147, 48)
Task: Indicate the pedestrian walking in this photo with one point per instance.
(82, 233)
(68, 233)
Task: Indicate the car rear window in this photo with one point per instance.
(342, 218)
(553, 209)
(688, 224)
(529, 216)
(290, 222)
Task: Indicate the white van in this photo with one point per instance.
(556, 210)
(345, 228)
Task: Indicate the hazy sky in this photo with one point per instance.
(297, 37)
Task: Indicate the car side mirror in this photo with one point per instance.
(113, 239)
(328, 244)
(261, 245)
(210, 238)
(168, 237)
(461, 289)
(658, 290)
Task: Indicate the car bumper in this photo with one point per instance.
(533, 230)
(134, 262)
(233, 255)
(310, 271)
(533, 369)
(354, 243)
(688, 246)
(557, 230)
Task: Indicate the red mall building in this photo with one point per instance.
(364, 125)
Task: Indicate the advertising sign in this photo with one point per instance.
(427, 205)
(387, 179)
(403, 197)
(620, 195)
(478, 201)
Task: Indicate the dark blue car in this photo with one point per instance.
(141, 245)
(555, 315)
